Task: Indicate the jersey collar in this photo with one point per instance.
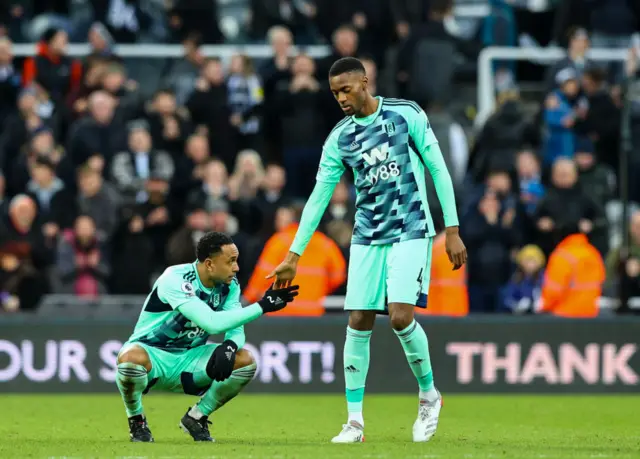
(367, 120)
(202, 287)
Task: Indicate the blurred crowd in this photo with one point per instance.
(110, 170)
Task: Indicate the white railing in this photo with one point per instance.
(486, 83)
(177, 51)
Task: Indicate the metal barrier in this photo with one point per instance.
(149, 51)
(486, 83)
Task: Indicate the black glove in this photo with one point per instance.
(222, 361)
(274, 300)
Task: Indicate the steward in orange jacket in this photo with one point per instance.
(321, 270)
(447, 288)
(573, 279)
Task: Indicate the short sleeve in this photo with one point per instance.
(174, 290)
(331, 166)
(420, 130)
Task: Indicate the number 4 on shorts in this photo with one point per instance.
(419, 279)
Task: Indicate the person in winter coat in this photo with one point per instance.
(523, 290)
(560, 117)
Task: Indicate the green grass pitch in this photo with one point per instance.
(300, 426)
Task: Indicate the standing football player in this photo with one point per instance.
(389, 145)
(168, 349)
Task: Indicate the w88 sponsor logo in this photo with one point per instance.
(383, 172)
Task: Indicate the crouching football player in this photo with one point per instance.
(168, 349)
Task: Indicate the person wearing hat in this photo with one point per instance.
(523, 290)
(576, 58)
(56, 72)
(560, 117)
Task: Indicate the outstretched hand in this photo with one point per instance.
(284, 273)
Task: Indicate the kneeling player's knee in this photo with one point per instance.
(400, 318)
(244, 358)
(137, 356)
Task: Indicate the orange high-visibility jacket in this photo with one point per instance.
(321, 270)
(573, 279)
(447, 289)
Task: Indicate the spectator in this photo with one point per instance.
(345, 42)
(17, 129)
(125, 91)
(215, 186)
(530, 180)
(182, 244)
(195, 16)
(210, 111)
(131, 243)
(126, 20)
(246, 95)
(270, 197)
(341, 208)
(95, 198)
(302, 126)
(574, 276)
(25, 254)
(169, 126)
(522, 293)
(602, 120)
(191, 168)
(408, 13)
(57, 73)
(132, 168)
(77, 100)
(82, 268)
(623, 271)
(560, 116)
(101, 43)
(501, 137)
(320, 271)
(448, 294)
(576, 59)
(490, 229)
(160, 214)
(96, 138)
(276, 75)
(564, 202)
(9, 80)
(244, 184)
(44, 188)
(291, 14)
(181, 77)
(433, 29)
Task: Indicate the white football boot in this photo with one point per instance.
(428, 414)
(352, 432)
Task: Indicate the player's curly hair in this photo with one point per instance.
(345, 65)
(211, 244)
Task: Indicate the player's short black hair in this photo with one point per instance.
(345, 65)
(211, 244)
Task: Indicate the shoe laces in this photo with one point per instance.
(204, 423)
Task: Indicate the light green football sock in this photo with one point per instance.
(132, 380)
(416, 347)
(221, 392)
(356, 367)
